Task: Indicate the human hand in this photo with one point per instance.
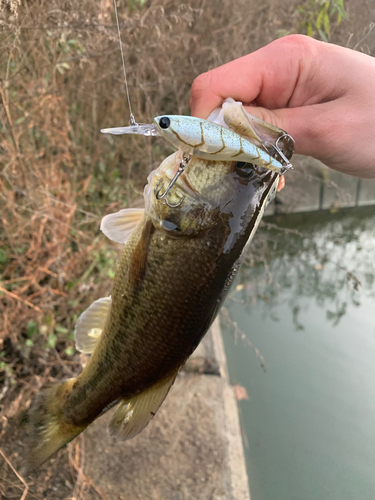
(321, 94)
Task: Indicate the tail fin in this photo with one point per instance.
(47, 428)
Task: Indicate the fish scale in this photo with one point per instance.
(161, 331)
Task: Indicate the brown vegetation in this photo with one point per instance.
(60, 82)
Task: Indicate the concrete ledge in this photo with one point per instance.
(192, 449)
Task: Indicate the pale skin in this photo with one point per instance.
(322, 94)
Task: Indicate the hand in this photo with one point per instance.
(323, 95)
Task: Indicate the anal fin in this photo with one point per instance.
(132, 415)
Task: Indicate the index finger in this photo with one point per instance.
(266, 77)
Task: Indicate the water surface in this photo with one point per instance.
(309, 425)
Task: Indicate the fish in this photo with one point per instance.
(178, 262)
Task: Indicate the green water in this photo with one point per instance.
(309, 424)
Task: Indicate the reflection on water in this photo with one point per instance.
(309, 308)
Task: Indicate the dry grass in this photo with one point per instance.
(60, 82)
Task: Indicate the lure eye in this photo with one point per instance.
(244, 170)
(164, 122)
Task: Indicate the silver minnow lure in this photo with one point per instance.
(203, 139)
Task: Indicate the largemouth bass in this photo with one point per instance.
(173, 275)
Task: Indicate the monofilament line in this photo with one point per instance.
(132, 120)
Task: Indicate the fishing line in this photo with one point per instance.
(132, 120)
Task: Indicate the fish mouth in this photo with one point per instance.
(180, 189)
(176, 190)
(182, 183)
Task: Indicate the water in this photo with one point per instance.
(309, 426)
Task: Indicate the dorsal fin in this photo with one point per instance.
(132, 415)
(119, 226)
(90, 325)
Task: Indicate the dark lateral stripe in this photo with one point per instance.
(255, 219)
(138, 262)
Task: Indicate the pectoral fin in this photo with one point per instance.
(132, 415)
(90, 325)
(119, 226)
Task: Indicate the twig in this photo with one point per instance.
(82, 478)
(14, 296)
(286, 230)
(9, 118)
(36, 294)
(25, 491)
(237, 332)
(15, 280)
(50, 217)
(10, 124)
(58, 292)
(90, 483)
(68, 370)
(244, 339)
(369, 30)
(47, 271)
(350, 277)
(67, 205)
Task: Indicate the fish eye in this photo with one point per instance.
(164, 122)
(244, 170)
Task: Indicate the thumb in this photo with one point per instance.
(304, 124)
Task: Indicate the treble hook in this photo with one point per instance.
(185, 160)
(287, 165)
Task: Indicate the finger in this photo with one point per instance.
(267, 77)
(281, 183)
(306, 125)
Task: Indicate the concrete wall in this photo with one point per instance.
(313, 186)
(191, 450)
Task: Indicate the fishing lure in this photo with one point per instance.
(206, 140)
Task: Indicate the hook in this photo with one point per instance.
(185, 160)
(287, 165)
